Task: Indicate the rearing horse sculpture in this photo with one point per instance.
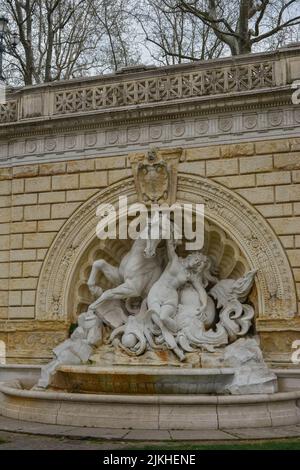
(139, 269)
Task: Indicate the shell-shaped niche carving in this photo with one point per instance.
(228, 260)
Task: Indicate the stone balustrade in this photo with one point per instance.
(142, 86)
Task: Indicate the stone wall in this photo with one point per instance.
(36, 200)
(40, 190)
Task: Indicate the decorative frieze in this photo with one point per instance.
(193, 131)
(166, 88)
(8, 111)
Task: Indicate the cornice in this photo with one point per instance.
(149, 113)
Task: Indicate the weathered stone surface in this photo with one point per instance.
(52, 168)
(287, 161)
(251, 373)
(256, 164)
(262, 195)
(93, 180)
(222, 167)
(78, 166)
(236, 149)
(62, 182)
(202, 153)
(278, 177)
(273, 146)
(25, 171)
(40, 183)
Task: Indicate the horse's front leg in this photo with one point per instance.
(110, 272)
(123, 291)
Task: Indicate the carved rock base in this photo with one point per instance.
(108, 355)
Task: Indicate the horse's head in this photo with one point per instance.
(159, 228)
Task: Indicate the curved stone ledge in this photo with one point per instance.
(9, 390)
(152, 412)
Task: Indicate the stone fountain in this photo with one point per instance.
(168, 326)
(169, 345)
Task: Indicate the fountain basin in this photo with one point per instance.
(162, 411)
(142, 380)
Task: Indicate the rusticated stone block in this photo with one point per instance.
(5, 174)
(39, 212)
(23, 255)
(5, 214)
(15, 269)
(5, 201)
(80, 194)
(238, 181)
(38, 240)
(28, 297)
(117, 175)
(24, 199)
(275, 210)
(17, 213)
(25, 171)
(272, 146)
(294, 257)
(294, 144)
(23, 227)
(20, 283)
(62, 211)
(5, 187)
(96, 179)
(52, 168)
(4, 271)
(50, 225)
(3, 298)
(15, 298)
(31, 269)
(262, 195)
(196, 168)
(110, 163)
(237, 150)
(4, 228)
(287, 161)
(286, 225)
(256, 164)
(277, 177)
(40, 183)
(221, 167)
(21, 312)
(17, 186)
(4, 242)
(64, 182)
(296, 176)
(288, 193)
(49, 197)
(296, 206)
(78, 166)
(202, 153)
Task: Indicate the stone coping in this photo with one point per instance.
(8, 389)
(146, 370)
(287, 372)
(145, 71)
(139, 88)
(19, 366)
(280, 372)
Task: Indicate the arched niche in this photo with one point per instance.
(237, 235)
(229, 259)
